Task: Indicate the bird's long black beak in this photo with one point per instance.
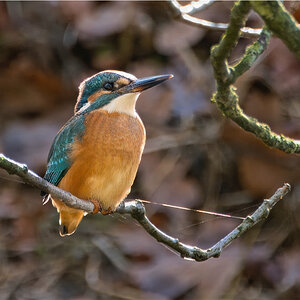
(143, 84)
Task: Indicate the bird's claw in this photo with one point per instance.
(106, 211)
(98, 208)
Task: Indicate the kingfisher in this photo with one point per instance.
(96, 154)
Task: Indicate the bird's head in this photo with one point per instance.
(114, 91)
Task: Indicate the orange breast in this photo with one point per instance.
(106, 160)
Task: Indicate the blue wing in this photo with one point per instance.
(59, 155)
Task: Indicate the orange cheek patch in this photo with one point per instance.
(96, 95)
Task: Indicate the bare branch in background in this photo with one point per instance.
(193, 6)
(136, 209)
(186, 12)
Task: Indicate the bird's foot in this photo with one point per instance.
(97, 206)
(106, 211)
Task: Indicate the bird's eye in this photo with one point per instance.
(108, 86)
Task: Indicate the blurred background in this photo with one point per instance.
(193, 157)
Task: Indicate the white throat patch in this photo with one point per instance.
(123, 104)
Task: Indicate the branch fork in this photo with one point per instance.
(226, 100)
(136, 209)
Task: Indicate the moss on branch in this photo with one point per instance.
(230, 107)
(251, 54)
(225, 97)
(221, 52)
(280, 22)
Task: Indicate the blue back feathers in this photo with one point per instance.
(58, 158)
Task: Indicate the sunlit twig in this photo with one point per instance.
(185, 12)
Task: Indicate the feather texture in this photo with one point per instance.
(59, 155)
(101, 163)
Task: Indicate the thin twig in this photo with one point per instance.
(251, 54)
(221, 51)
(193, 6)
(186, 11)
(29, 177)
(137, 210)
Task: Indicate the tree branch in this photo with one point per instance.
(225, 96)
(251, 54)
(137, 210)
(185, 12)
(29, 177)
(193, 6)
(280, 22)
(222, 51)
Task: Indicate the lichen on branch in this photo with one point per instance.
(251, 54)
(280, 22)
(225, 96)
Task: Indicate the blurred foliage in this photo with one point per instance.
(46, 50)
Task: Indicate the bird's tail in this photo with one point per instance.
(69, 218)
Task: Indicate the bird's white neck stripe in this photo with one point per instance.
(123, 104)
